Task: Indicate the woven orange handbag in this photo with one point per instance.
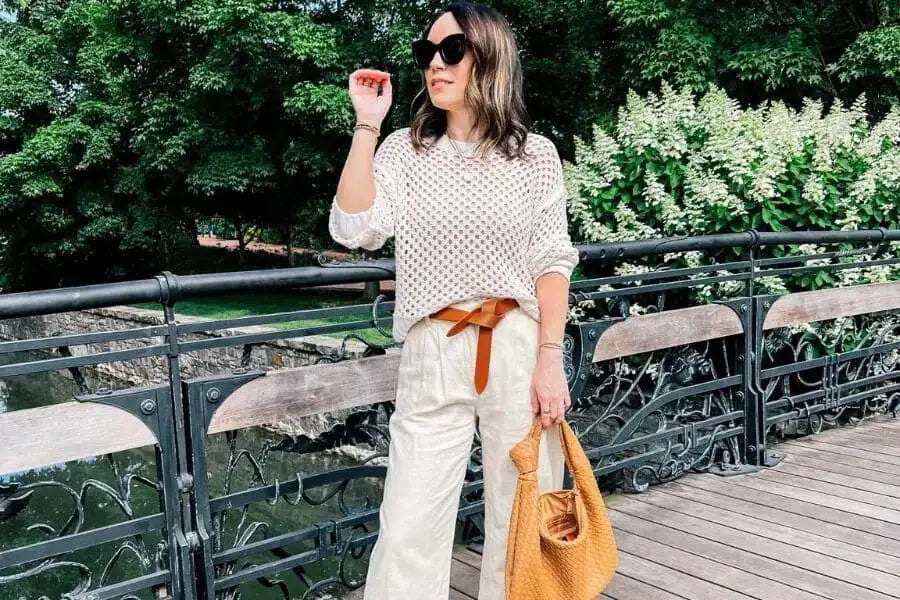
(561, 543)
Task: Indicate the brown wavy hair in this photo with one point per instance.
(494, 92)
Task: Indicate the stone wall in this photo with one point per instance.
(274, 354)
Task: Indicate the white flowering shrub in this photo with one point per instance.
(679, 164)
(682, 165)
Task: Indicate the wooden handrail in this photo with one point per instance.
(667, 329)
(822, 305)
(47, 435)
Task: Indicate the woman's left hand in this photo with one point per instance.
(549, 390)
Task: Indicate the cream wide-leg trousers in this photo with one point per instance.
(432, 430)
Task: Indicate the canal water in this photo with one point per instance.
(94, 492)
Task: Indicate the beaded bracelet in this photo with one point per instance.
(368, 127)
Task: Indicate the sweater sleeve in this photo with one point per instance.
(371, 228)
(550, 248)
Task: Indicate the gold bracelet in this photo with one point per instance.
(552, 345)
(368, 127)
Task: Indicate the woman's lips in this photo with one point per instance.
(439, 84)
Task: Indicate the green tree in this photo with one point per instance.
(124, 120)
(766, 49)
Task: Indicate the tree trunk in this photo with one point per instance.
(288, 240)
(372, 288)
(240, 231)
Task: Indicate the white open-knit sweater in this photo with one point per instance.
(456, 240)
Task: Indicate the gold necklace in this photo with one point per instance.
(467, 174)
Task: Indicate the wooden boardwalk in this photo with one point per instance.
(825, 523)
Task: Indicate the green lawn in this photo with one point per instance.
(261, 303)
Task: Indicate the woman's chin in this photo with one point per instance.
(443, 103)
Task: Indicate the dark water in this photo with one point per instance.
(97, 491)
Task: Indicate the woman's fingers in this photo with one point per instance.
(561, 413)
(371, 73)
(556, 409)
(369, 77)
(549, 410)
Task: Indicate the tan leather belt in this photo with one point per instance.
(486, 315)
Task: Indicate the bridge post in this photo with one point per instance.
(753, 313)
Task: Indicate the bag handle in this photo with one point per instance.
(525, 453)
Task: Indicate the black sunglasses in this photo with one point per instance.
(452, 49)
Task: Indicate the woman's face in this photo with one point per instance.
(446, 84)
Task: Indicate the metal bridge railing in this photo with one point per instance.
(182, 490)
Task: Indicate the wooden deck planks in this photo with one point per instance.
(825, 523)
(781, 561)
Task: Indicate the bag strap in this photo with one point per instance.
(525, 453)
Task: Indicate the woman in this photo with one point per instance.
(483, 258)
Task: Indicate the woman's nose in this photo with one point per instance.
(437, 62)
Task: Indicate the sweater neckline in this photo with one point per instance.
(443, 142)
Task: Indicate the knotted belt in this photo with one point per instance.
(487, 315)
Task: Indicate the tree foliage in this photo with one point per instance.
(765, 49)
(124, 122)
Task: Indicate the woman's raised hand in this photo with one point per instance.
(369, 106)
